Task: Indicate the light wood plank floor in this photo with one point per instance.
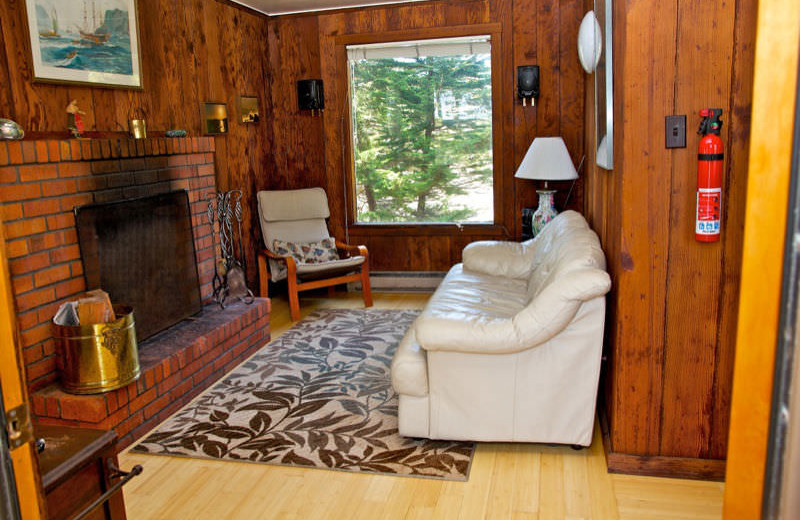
(507, 481)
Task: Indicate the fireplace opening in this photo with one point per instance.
(141, 251)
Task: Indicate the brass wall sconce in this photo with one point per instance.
(215, 116)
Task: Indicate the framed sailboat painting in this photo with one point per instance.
(93, 42)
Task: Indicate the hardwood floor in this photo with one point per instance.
(507, 481)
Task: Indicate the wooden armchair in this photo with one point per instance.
(293, 227)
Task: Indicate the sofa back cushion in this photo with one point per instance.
(566, 244)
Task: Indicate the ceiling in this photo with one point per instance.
(276, 7)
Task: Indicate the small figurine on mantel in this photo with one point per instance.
(75, 118)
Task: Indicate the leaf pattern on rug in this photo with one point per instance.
(320, 396)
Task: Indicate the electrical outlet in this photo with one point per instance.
(675, 131)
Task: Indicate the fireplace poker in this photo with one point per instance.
(216, 282)
(238, 213)
(236, 277)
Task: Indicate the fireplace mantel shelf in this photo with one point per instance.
(29, 151)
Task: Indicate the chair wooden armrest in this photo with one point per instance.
(264, 275)
(275, 256)
(361, 250)
(364, 275)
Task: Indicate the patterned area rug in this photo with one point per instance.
(320, 395)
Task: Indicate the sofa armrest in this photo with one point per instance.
(547, 315)
(410, 367)
(499, 258)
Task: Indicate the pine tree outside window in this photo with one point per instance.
(422, 131)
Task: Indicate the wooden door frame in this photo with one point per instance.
(26, 471)
(772, 130)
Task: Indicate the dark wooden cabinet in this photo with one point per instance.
(76, 467)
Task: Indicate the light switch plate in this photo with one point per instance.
(675, 131)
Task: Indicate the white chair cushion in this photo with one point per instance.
(353, 261)
(293, 204)
(291, 216)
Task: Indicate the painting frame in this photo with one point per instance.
(46, 40)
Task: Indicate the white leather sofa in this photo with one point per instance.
(508, 348)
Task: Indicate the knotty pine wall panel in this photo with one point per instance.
(735, 185)
(297, 149)
(309, 151)
(692, 322)
(673, 306)
(644, 221)
(192, 51)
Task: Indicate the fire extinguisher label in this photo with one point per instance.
(708, 211)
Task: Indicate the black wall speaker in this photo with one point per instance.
(310, 95)
(528, 81)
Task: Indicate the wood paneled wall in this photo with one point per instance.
(192, 51)
(674, 301)
(308, 151)
(195, 50)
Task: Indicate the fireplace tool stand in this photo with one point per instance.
(229, 272)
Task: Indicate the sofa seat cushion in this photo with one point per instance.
(462, 326)
(468, 295)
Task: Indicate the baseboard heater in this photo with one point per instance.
(402, 281)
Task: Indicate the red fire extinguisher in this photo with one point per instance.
(709, 177)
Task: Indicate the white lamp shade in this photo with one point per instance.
(547, 159)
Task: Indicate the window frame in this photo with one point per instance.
(497, 227)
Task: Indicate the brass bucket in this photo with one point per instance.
(98, 358)
(137, 128)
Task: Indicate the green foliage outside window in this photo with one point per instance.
(423, 139)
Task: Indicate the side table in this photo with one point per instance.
(78, 466)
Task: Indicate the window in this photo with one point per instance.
(422, 131)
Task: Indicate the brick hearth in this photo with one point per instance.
(40, 184)
(176, 365)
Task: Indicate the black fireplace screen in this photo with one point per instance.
(141, 252)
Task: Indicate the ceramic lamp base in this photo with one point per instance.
(545, 212)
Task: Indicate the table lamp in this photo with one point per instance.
(547, 159)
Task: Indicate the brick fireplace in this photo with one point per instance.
(40, 184)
